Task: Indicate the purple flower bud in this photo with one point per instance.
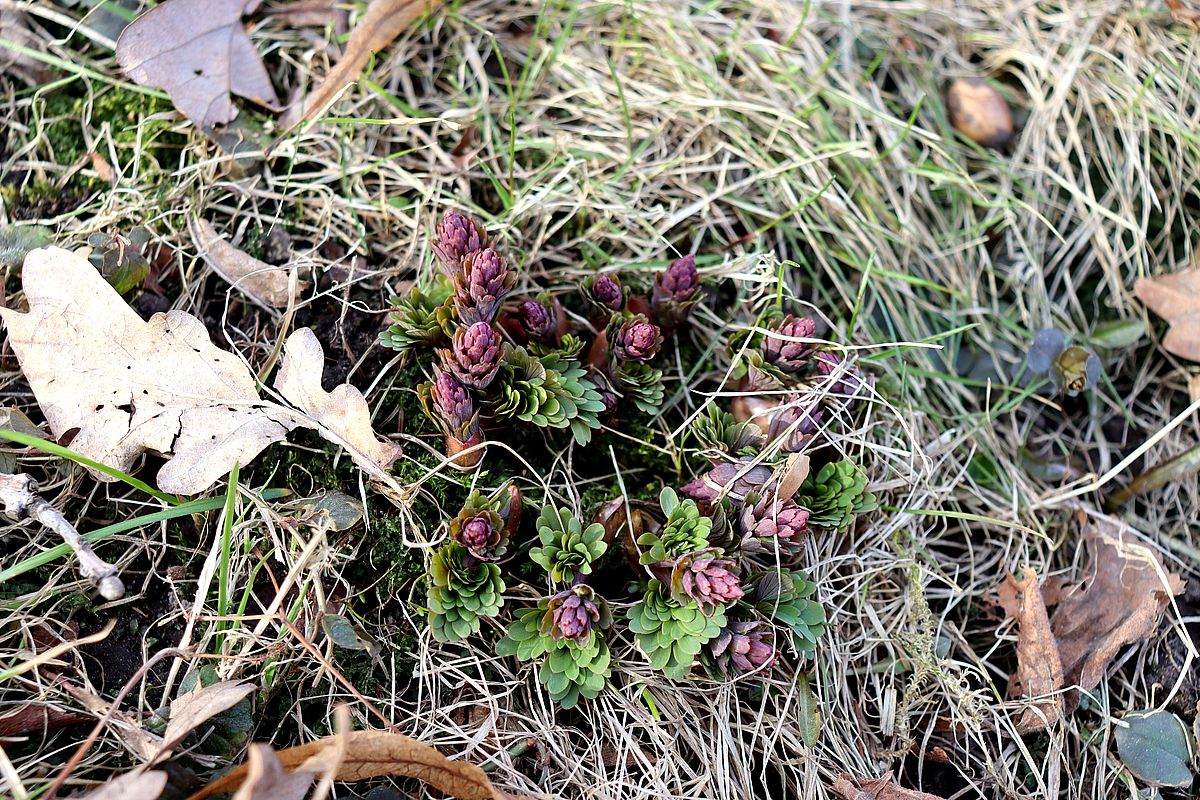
(574, 613)
(482, 532)
(636, 339)
(453, 403)
(677, 282)
(706, 578)
(458, 236)
(608, 293)
(539, 323)
(734, 480)
(476, 532)
(798, 421)
(474, 356)
(484, 282)
(774, 524)
(743, 646)
(790, 356)
(846, 379)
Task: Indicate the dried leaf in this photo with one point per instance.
(266, 285)
(1184, 13)
(136, 785)
(1175, 297)
(881, 788)
(190, 711)
(342, 415)
(1120, 600)
(383, 22)
(199, 53)
(130, 386)
(373, 754)
(266, 778)
(1039, 670)
(14, 27)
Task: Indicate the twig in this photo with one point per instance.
(19, 495)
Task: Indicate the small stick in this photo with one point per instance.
(19, 495)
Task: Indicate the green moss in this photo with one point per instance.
(67, 111)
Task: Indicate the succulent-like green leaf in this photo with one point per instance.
(461, 591)
(551, 391)
(835, 495)
(685, 531)
(567, 549)
(671, 634)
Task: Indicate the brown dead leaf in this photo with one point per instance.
(136, 785)
(1182, 12)
(199, 53)
(374, 754)
(190, 711)
(881, 788)
(1039, 671)
(130, 386)
(1120, 599)
(266, 285)
(383, 22)
(36, 717)
(1175, 296)
(103, 168)
(266, 778)
(342, 415)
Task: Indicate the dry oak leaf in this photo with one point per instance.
(266, 285)
(199, 53)
(1039, 670)
(881, 788)
(130, 386)
(342, 415)
(374, 754)
(1175, 296)
(1120, 599)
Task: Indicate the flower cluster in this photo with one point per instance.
(710, 577)
(495, 359)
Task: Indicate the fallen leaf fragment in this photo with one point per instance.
(1120, 599)
(198, 52)
(383, 22)
(342, 415)
(266, 285)
(136, 785)
(130, 386)
(14, 27)
(1175, 296)
(266, 778)
(881, 788)
(979, 112)
(1039, 670)
(1184, 13)
(191, 710)
(374, 754)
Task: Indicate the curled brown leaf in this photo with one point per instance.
(373, 754)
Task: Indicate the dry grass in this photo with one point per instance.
(614, 135)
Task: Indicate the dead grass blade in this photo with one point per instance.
(383, 22)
